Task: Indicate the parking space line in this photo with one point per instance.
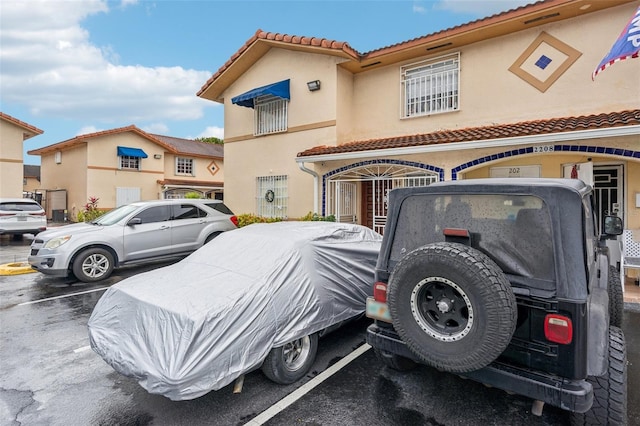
(82, 349)
(62, 297)
(306, 388)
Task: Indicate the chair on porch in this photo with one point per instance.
(629, 251)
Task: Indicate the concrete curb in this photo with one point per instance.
(16, 268)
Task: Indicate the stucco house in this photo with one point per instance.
(13, 133)
(127, 164)
(31, 179)
(314, 125)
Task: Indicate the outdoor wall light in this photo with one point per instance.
(157, 156)
(313, 85)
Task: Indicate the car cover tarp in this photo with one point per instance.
(197, 325)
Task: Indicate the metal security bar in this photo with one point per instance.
(270, 115)
(429, 88)
(272, 196)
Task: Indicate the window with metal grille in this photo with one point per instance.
(270, 115)
(129, 163)
(272, 196)
(184, 166)
(430, 87)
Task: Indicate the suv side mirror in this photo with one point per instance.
(138, 221)
(612, 225)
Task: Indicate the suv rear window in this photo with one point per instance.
(513, 230)
(220, 207)
(20, 206)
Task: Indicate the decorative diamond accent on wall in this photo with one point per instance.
(544, 61)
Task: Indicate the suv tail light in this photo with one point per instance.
(37, 214)
(234, 219)
(558, 329)
(380, 292)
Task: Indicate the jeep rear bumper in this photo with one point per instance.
(571, 395)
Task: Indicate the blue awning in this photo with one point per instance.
(124, 151)
(279, 89)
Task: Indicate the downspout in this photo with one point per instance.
(315, 184)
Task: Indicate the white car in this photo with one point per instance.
(138, 232)
(21, 216)
(256, 297)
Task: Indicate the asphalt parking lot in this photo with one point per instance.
(50, 376)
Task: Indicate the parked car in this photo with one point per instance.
(256, 297)
(133, 233)
(20, 216)
(506, 282)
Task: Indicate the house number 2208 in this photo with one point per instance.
(543, 148)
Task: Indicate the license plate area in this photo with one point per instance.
(377, 310)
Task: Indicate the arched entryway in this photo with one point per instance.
(358, 193)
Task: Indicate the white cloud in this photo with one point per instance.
(211, 131)
(419, 8)
(87, 130)
(50, 66)
(482, 8)
(157, 128)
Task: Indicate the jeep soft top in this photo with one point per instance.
(507, 282)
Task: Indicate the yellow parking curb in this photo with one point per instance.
(16, 268)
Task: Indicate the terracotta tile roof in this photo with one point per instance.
(544, 11)
(284, 38)
(29, 170)
(524, 128)
(188, 182)
(193, 147)
(22, 124)
(170, 144)
(81, 139)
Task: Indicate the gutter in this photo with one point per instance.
(487, 143)
(302, 167)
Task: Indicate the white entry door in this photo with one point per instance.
(126, 195)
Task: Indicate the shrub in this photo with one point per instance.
(90, 211)
(315, 217)
(248, 219)
(193, 194)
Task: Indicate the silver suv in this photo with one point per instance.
(136, 232)
(21, 216)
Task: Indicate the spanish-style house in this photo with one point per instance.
(127, 164)
(13, 133)
(313, 124)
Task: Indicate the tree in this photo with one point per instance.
(211, 140)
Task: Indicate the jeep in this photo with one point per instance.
(506, 282)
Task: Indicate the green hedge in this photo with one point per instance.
(249, 218)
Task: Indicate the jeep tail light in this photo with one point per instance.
(234, 219)
(558, 329)
(456, 232)
(380, 292)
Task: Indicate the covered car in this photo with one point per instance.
(256, 296)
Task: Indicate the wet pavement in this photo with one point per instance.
(50, 376)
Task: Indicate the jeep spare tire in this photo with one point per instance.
(452, 306)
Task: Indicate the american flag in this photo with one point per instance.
(626, 46)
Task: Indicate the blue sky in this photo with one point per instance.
(71, 67)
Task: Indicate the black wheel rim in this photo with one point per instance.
(442, 309)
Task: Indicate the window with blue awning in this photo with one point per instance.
(279, 89)
(124, 151)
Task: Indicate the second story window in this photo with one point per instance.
(129, 163)
(184, 166)
(430, 87)
(270, 115)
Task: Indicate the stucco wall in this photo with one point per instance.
(70, 174)
(490, 93)
(11, 140)
(305, 107)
